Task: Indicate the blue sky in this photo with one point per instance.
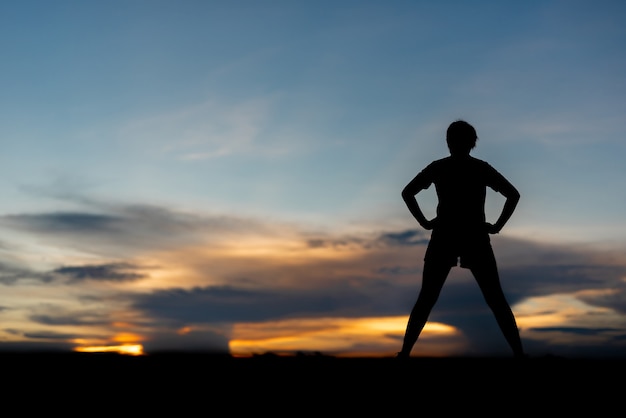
(246, 159)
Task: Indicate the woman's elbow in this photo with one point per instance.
(514, 196)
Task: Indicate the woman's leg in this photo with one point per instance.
(433, 278)
(488, 279)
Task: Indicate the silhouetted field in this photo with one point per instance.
(271, 384)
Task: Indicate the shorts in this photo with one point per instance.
(468, 250)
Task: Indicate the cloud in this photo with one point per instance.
(11, 274)
(83, 318)
(207, 130)
(229, 304)
(612, 296)
(561, 278)
(126, 230)
(49, 335)
(111, 272)
(64, 222)
(164, 270)
(410, 237)
(115, 272)
(578, 330)
(376, 286)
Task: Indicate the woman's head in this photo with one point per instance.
(461, 137)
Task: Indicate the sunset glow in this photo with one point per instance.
(356, 337)
(561, 313)
(127, 349)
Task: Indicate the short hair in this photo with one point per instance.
(461, 137)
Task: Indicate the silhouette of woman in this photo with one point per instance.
(460, 232)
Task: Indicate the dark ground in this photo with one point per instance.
(203, 384)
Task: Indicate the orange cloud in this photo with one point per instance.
(352, 337)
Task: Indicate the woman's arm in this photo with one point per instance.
(512, 198)
(408, 195)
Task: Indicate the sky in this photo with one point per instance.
(225, 176)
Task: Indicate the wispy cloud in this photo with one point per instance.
(125, 230)
(116, 272)
(10, 274)
(207, 130)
